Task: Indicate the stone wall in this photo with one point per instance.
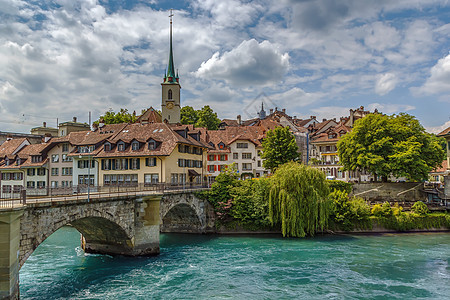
(184, 212)
(390, 191)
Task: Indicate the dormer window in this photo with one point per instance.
(121, 146)
(221, 145)
(107, 147)
(151, 145)
(169, 95)
(18, 162)
(7, 161)
(135, 145)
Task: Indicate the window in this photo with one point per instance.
(211, 157)
(151, 178)
(84, 164)
(135, 145)
(17, 188)
(174, 178)
(36, 158)
(107, 147)
(223, 157)
(150, 161)
(41, 172)
(6, 189)
(66, 171)
(85, 179)
(235, 155)
(246, 167)
(66, 158)
(258, 153)
(55, 171)
(181, 163)
(66, 183)
(55, 157)
(221, 145)
(242, 145)
(41, 184)
(54, 184)
(65, 148)
(31, 184)
(211, 169)
(31, 172)
(246, 156)
(151, 145)
(121, 146)
(135, 162)
(169, 94)
(259, 164)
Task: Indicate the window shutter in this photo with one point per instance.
(226, 156)
(126, 164)
(109, 164)
(215, 157)
(154, 161)
(207, 157)
(146, 161)
(79, 164)
(113, 164)
(138, 163)
(103, 164)
(215, 168)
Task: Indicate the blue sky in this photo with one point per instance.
(64, 58)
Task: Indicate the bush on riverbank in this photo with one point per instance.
(296, 200)
(348, 213)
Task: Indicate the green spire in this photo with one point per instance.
(171, 67)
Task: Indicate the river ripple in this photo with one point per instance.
(402, 266)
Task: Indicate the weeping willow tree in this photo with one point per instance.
(298, 199)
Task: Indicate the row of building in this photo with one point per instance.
(158, 149)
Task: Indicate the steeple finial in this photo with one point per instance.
(171, 68)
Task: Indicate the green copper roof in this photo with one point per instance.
(171, 67)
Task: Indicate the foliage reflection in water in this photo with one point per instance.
(256, 267)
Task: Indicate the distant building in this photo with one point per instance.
(43, 130)
(73, 126)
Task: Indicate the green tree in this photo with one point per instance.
(391, 145)
(122, 116)
(207, 118)
(298, 200)
(189, 115)
(279, 147)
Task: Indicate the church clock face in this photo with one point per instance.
(169, 105)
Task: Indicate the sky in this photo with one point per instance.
(65, 58)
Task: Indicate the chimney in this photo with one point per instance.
(324, 120)
(284, 110)
(47, 137)
(239, 119)
(44, 124)
(276, 108)
(94, 126)
(271, 111)
(295, 117)
(9, 137)
(334, 119)
(74, 119)
(101, 123)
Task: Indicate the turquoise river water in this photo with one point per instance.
(405, 266)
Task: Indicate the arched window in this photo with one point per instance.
(169, 95)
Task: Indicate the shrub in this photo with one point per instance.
(340, 185)
(349, 213)
(420, 208)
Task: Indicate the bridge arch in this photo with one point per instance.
(181, 217)
(103, 231)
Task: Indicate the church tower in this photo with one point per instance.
(170, 106)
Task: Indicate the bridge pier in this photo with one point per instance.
(102, 237)
(9, 253)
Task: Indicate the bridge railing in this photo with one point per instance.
(93, 192)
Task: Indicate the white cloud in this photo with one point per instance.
(380, 36)
(439, 80)
(390, 108)
(438, 129)
(385, 84)
(329, 112)
(250, 63)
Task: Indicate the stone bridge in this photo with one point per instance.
(123, 225)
